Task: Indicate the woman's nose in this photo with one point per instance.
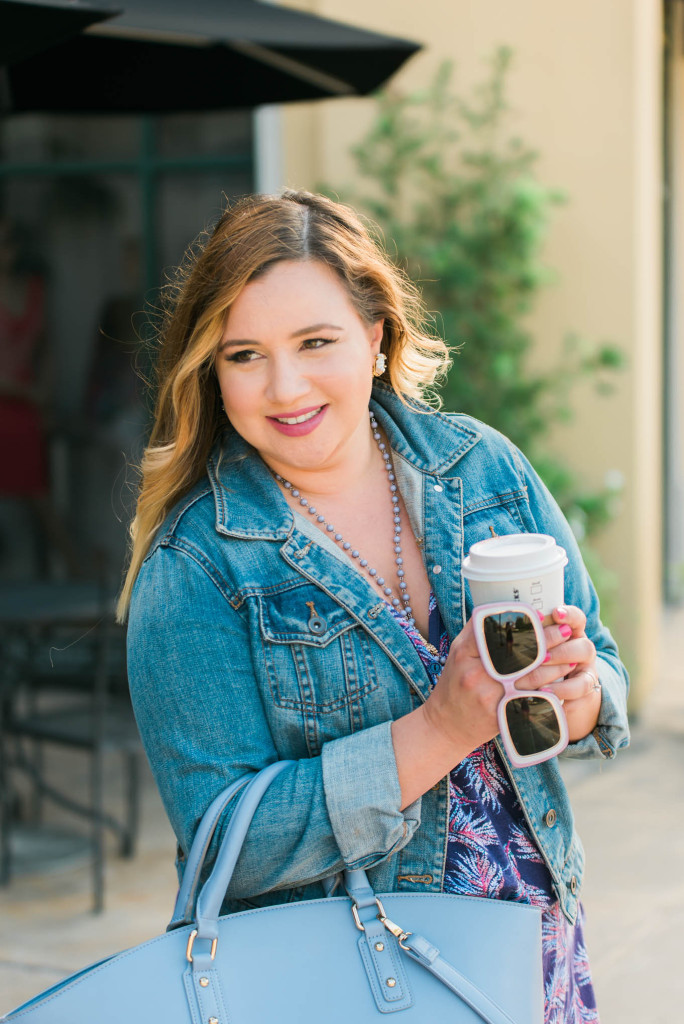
(285, 382)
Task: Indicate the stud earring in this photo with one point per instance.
(379, 364)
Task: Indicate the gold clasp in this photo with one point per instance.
(395, 929)
(191, 942)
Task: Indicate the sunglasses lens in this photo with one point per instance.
(511, 642)
(533, 724)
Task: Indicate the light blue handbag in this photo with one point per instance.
(422, 956)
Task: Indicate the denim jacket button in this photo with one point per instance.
(550, 818)
(573, 885)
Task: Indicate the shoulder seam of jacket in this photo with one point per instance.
(168, 528)
(185, 547)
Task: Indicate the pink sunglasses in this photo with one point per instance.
(510, 641)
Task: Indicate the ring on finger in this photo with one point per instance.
(595, 682)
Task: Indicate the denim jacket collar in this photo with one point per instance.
(249, 504)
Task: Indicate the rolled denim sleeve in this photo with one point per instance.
(203, 725)
(612, 731)
(360, 816)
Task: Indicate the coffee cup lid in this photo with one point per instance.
(514, 556)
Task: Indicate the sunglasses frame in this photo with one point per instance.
(508, 681)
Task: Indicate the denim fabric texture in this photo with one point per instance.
(230, 668)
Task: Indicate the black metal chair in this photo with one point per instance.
(64, 684)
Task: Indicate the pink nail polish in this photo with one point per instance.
(561, 612)
(565, 631)
(573, 664)
(547, 658)
(541, 616)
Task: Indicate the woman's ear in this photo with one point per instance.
(376, 334)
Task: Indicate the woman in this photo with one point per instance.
(296, 590)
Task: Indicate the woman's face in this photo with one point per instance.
(295, 368)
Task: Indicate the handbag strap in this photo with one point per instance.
(368, 907)
(429, 957)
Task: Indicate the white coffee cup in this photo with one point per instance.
(524, 567)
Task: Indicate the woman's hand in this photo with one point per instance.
(571, 656)
(463, 704)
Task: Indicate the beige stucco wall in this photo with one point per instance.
(585, 91)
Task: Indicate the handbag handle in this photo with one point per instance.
(185, 901)
(214, 889)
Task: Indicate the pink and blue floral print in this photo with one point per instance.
(491, 853)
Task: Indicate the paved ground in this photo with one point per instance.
(629, 813)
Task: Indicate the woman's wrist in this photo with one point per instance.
(424, 752)
(583, 715)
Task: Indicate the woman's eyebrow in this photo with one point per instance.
(315, 327)
(233, 342)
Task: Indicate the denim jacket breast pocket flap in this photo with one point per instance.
(302, 614)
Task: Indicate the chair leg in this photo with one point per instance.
(132, 796)
(98, 830)
(37, 802)
(5, 815)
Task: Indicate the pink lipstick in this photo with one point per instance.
(307, 424)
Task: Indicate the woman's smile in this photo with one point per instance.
(298, 423)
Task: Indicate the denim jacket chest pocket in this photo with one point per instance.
(318, 665)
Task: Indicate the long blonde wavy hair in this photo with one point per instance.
(253, 234)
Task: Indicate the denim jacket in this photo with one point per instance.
(252, 639)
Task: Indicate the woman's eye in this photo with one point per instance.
(318, 342)
(245, 355)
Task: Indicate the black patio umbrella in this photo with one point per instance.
(181, 55)
(27, 27)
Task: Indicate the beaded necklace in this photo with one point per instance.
(403, 603)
